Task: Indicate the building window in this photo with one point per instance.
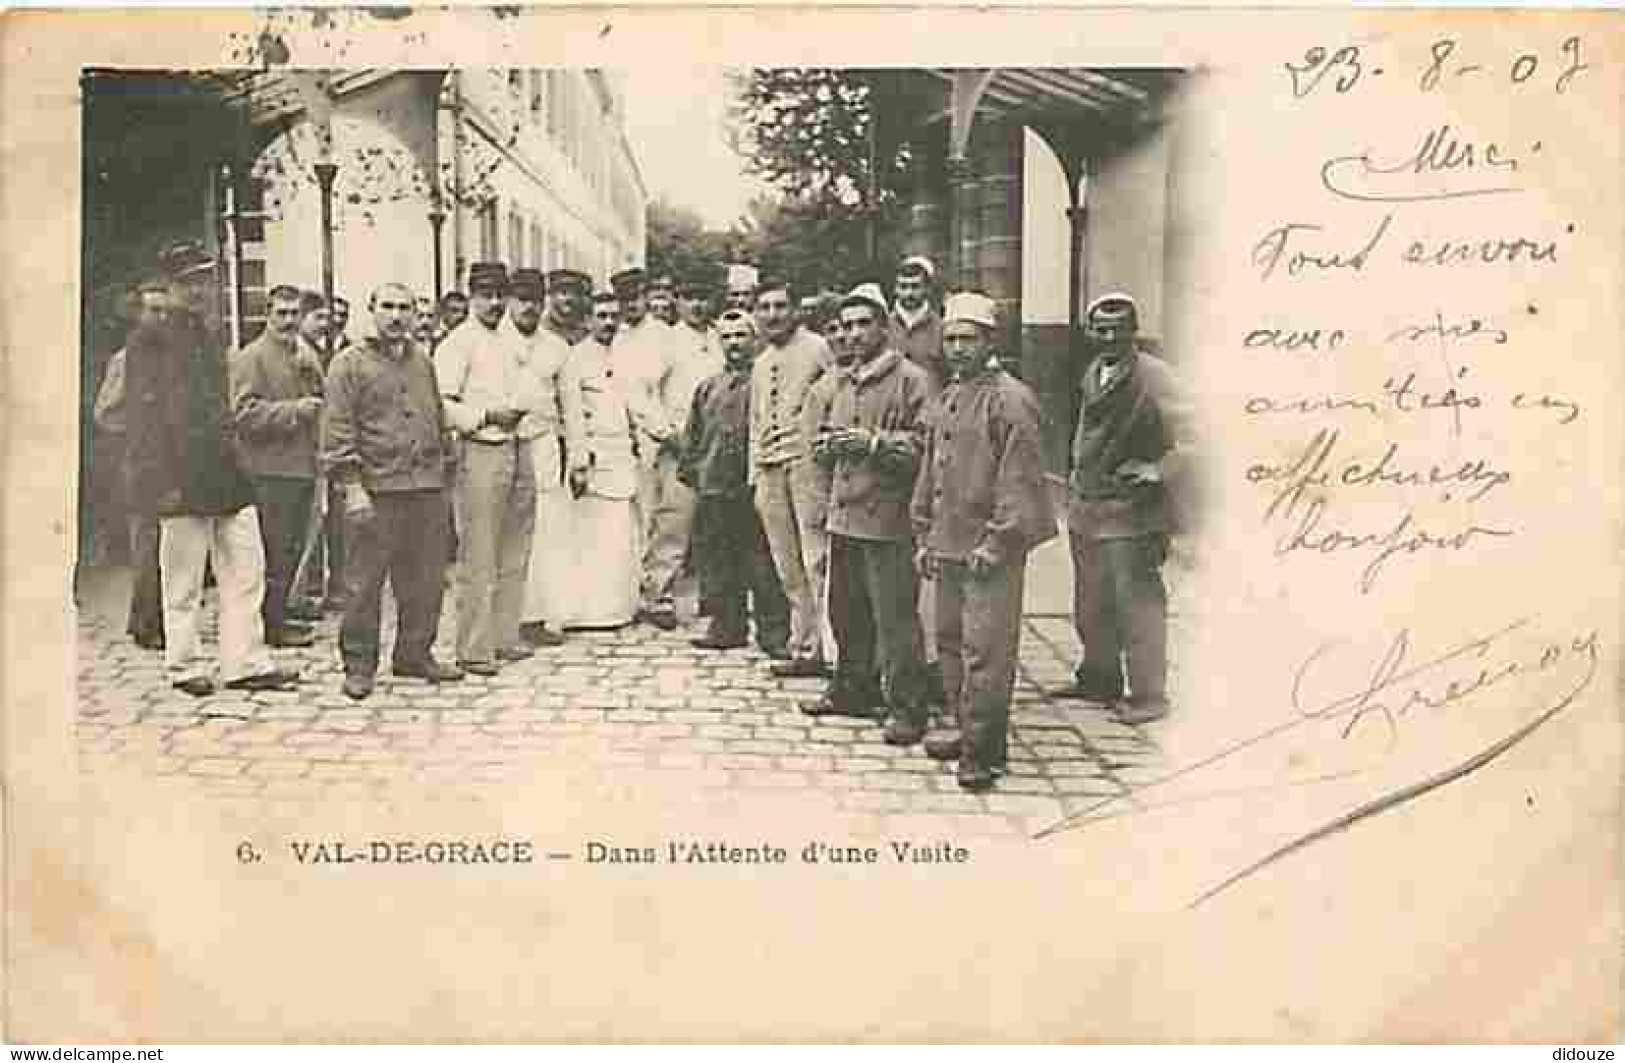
(535, 258)
(488, 232)
(516, 239)
(536, 103)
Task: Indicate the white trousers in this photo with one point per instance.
(185, 546)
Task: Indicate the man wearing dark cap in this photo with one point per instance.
(276, 398)
(482, 384)
(980, 506)
(730, 547)
(790, 359)
(386, 448)
(872, 440)
(1131, 429)
(555, 431)
(569, 296)
(184, 464)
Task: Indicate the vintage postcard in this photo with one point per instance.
(811, 524)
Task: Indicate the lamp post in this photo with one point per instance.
(437, 220)
(326, 171)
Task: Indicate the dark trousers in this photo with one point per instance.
(1120, 608)
(284, 504)
(404, 541)
(979, 642)
(873, 593)
(734, 561)
(147, 590)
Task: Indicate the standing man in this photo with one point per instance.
(643, 352)
(453, 312)
(694, 333)
(811, 483)
(670, 502)
(554, 429)
(915, 326)
(306, 600)
(569, 295)
(791, 358)
(1130, 423)
(872, 439)
(315, 322)
(276, 401)
(386, 449)
(184, 465)
(603, 592)
(916, 332)
(146, 619)
(729, 544)
(425, 322)
(980, 506)
(340, 323)
(741, 287)
(481, 382)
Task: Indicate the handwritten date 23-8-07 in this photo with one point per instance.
(1346, 67)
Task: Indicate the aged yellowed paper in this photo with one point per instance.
(1381, 251)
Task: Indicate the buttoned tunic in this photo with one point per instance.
(981, 482)
(383, 424)
(606, 413)
(778, 385)
(871, 493)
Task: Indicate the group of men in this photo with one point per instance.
(863, 480)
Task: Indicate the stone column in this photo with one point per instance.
(999, 150)
(965, 225)
(927, 232)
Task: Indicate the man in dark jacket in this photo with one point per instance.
(386, 448)
(184, 464)
(872, 440)
(1130, 424)
(276, 406)
(980, 506)
(729, 543)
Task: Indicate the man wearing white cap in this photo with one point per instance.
(741, 289)
(916, 328)
(1130, 422)
(872, 439)
(980, 505)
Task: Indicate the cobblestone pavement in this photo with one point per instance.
(626, 702)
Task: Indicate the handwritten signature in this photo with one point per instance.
(1393, 690)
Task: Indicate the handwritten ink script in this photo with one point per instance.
(1388, 476)
(1409, 403)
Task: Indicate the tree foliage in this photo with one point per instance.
(837, 147)
(680, 244)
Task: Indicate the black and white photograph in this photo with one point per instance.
(456, 418)
(813, 524)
